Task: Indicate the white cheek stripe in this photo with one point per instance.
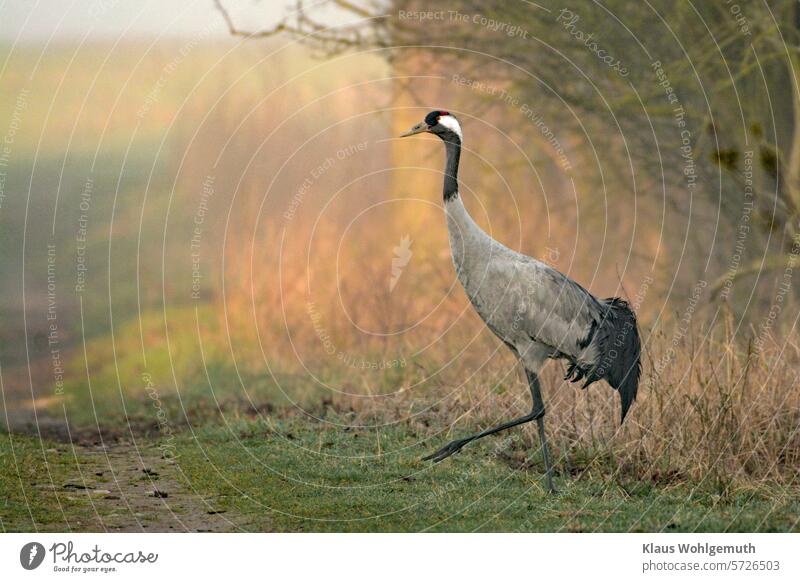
(451, 123)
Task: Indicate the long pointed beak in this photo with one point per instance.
(418, 128)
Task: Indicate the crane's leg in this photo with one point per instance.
(538, 405)
(537, 414)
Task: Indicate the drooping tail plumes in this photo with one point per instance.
(621, 363)
(618, 362)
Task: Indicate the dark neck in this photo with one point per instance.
(452, 146)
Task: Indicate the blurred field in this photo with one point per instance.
(242, 218)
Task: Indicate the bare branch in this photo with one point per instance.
(233, 30)
(332, 39)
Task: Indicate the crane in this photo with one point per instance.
(536, 311)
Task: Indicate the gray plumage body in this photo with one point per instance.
(541, 314)
(536, 311)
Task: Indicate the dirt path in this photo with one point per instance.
(133, 488)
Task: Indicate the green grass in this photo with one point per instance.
(299, 475)
(32, 475)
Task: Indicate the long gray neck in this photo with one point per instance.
(452, 146)
(470, 246)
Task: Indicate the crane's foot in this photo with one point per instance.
(447, 450)
(550, 488)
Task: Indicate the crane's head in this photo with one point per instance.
(441, 123)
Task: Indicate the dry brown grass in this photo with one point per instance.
(711, 410)
(717, 414)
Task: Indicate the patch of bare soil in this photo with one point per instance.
(134, 489)
(130, 485)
